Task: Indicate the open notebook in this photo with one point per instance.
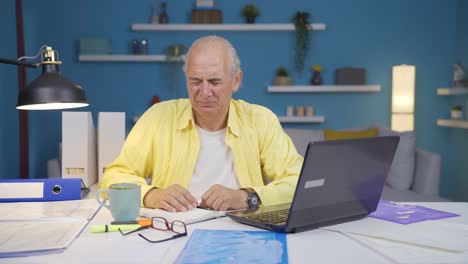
(193, 216)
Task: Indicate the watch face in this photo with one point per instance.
(253, 200)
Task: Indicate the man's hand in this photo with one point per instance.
(222, 198)
(174, 198)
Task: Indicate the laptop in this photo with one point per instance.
(340, 181)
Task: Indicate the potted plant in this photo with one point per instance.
(456, 112)
(250, 12)
(282, 77)
(301, 25)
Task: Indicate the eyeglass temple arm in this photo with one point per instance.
(133, 231)
(167, 239)
(19, 62)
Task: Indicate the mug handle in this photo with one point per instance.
(103, 201)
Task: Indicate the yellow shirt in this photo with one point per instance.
(164, 145)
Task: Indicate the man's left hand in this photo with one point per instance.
(222, 198)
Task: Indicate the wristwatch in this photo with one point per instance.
(253, 200)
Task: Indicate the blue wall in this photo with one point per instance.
(459, 137)
(9, 146)
(362, 33)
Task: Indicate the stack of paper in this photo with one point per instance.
(442, 235)
(193, 216)
(408, 233)
(42, 227)
(405, 253)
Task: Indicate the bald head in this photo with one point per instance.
(212, 42)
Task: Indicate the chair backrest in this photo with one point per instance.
(302, 137)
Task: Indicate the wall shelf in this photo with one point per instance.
(128, 58)
(453, 123)
(323, 88)
(452, 91)
(221, 27)
(301, 119)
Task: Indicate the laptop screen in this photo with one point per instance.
(342, 177)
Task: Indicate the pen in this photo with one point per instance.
(112, 228)
(141, 222)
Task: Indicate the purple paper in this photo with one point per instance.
(407, 213)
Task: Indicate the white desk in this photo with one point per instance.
(318, 246)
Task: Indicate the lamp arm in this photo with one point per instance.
(19, 62)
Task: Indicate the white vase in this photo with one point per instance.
(456, 114)
(282, 80)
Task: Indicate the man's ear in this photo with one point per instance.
(237, 81)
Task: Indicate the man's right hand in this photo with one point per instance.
(174, 198)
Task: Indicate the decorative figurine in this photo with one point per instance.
(135, 47)
(154, 19)
(456, 112)
(459, 77)
(163, 18)
(144, 46)
(300, 110)
(290, 110)
(316, 77)
(309, 110)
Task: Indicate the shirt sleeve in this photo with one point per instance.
(280, 161)
(134, 163)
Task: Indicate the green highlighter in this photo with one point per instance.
(112, 228)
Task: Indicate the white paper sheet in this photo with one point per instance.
(77, 209)
(404, 253)
(37, 236)
(430, 234)
(193, 216)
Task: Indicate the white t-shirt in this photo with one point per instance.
(215, 164)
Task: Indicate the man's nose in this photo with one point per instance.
(205, 89)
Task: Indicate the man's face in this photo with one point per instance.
(209, 81)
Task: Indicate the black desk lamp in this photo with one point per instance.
(50, 90)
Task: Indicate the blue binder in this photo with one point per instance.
(40, 190)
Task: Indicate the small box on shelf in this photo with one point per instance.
(350, 76)
(207, 16)
(95, 46)
(205, 4)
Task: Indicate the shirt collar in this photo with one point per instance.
(233, 120)
(185, 117)
(187, 120)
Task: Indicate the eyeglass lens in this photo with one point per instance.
(160, 223)
(176, 226)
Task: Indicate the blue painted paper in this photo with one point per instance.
(234, 246)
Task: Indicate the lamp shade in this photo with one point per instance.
(51, 91)
(403, 90)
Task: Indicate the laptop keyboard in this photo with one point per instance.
(274, 217)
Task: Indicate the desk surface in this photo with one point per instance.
(320, 245)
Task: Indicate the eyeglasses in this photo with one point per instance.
(161, 223)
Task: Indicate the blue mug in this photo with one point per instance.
(124, 201)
